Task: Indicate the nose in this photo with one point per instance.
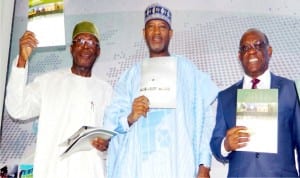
(156, 30)
(252, 50)
(85, 44)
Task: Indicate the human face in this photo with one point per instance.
(157, 34)
(85, 49)
(254, 53)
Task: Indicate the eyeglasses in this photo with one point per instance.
(257, 46)
(82, 42)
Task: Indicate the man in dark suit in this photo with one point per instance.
(254, 54)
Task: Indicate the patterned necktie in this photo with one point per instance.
(254, 83)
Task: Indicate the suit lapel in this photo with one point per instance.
(239, 84)
(275, 81)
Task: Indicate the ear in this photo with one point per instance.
(240, 56)
(98, 51)
(270, 51)
(144, 33)
(71, 48)
(170, 33)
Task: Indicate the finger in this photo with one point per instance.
(144, 103)
(243, 140)
(240, 145)
(139, 104)
(140, 107)
(235, 130)
(233, 140)
(28, 32)
(99, 145)
(28, 42)
(28, 38)
(139, 113)
(243, 134)
(142, 99)
(240, 128)
(232, 131)
(100, 140)
(95, 144)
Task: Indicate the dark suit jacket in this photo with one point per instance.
(251, 164)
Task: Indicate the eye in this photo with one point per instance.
(89, 42)
(245, 48)
(163, 26)
(149, 26)
(259, 45)
(81, 41)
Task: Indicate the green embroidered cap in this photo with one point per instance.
(86, 27)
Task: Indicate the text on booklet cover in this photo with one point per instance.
(158, 81)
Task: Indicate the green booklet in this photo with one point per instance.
(25, 171)
(46, 20)
(257, 109)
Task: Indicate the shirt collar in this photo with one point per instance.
(265, 81)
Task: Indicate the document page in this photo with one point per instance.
(46, 20)
(158, 81)
(81, 140)
(257, 109)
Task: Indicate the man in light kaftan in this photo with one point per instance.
(156, 142)
(64, 100)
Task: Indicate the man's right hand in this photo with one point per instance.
(140, 107)
(27, 44)
(236, 137)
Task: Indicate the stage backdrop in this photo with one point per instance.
(207, 32)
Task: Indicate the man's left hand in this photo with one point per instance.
(100, 144)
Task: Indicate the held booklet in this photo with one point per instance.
(25, 171)
(46, 20)
(257, 109)
(158, 81)
(81, 140)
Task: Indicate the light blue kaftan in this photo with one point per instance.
(168, 143)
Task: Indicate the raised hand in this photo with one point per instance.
(140, 107)
(27, 44)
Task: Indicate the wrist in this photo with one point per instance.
(129, 120)
(21, 62)
(203, 171)
(204, 166)
(226, 145)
